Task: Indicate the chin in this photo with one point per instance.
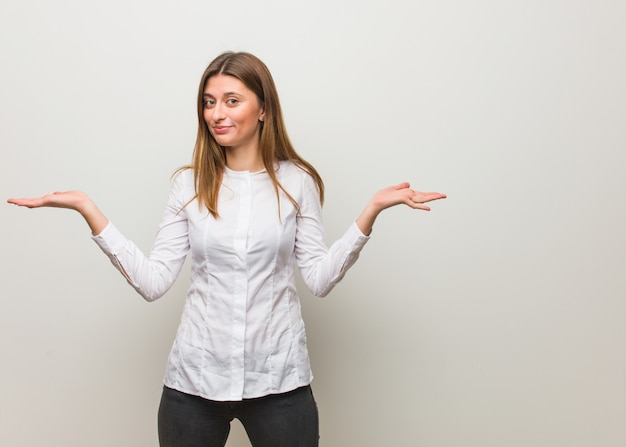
(222, 141)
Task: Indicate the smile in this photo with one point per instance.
(221, 129)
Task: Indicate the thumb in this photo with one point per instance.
(402, 185)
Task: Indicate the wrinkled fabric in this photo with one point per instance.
(241, 333)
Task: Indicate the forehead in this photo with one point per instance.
(221, 84)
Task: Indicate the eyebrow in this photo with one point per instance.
(225, 94)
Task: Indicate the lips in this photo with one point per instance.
(221, 129)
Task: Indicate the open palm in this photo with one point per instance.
(68, 199)
(403, 194)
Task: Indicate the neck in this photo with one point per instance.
(242, 159)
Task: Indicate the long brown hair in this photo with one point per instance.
(209, 158)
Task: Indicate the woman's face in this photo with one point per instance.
(232, 112)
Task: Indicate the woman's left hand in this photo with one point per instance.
(391, 196)
(403, 194)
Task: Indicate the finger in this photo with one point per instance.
(17, 202)
(420, 206)
(402, 185)
(436, 196)
(27, 202)
(416, 204)
(428, 196)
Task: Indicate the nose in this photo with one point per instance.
(217, 112)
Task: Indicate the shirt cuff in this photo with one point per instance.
(355, 236)
(110, 239)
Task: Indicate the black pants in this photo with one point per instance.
(277, 420)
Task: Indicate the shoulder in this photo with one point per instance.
(183, 175)
(298, 182)
(290, 171)
(182, 183)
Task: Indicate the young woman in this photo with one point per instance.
(248, 209)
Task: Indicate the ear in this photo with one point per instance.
(262, 115)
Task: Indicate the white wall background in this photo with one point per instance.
(498, 319)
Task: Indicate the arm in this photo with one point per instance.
(74, 200)
(323, 267)
(150, 276)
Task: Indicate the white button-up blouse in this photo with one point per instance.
(241, 333)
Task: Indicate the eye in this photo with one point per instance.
(209, 103)
(232, 101)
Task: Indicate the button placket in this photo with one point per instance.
(240, 243)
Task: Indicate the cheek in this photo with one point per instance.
(251, 119)
(207, 122)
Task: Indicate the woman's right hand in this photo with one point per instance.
(74, 200)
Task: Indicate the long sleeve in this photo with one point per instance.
(152, 276)
(323, 267)
(241, 333)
